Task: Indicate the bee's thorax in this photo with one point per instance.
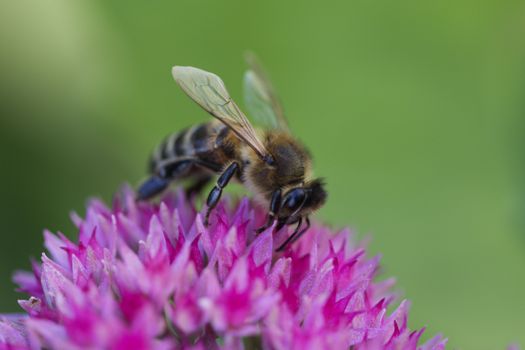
(216, 144)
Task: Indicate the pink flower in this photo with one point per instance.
(148, 276)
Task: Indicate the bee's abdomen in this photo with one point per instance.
(198, 142)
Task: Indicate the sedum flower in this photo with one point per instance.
(151, 276)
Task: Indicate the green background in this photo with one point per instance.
(413, 110)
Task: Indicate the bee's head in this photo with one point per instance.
(303, 200)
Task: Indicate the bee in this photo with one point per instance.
(270, 162)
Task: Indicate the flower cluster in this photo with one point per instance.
(152, 276)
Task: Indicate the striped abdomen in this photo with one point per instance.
(208, 143)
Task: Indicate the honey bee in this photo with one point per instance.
(270, 162)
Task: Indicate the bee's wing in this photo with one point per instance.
(260, 97)
(208, 90)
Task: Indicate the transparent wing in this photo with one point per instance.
(208, 90)
(257, 101)
(260, 97)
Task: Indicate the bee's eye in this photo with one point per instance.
(294, 199)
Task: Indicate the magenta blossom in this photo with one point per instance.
(149, 276)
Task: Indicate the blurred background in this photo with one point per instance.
(413, 110)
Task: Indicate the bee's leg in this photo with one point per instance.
(216, 192)
(275, 205)
(151, 187)
(166, 172)
(289, 239)
(280, 224)
(302, 231)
